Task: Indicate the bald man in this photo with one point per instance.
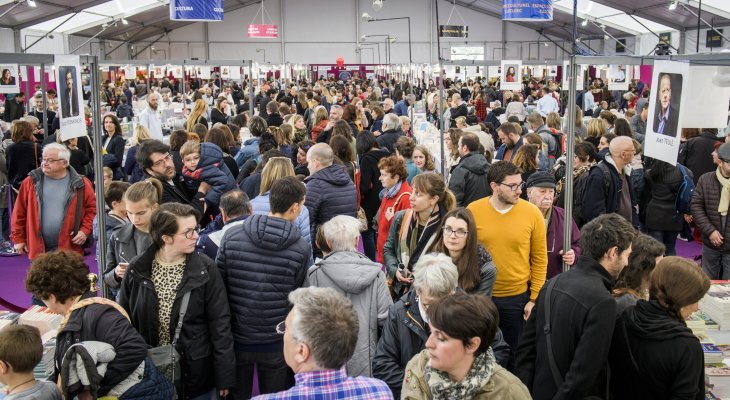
(608, 187)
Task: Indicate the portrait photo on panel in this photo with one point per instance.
(669, 93)
(68, 95)
(511, 74)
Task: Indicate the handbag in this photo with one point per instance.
(166, 358)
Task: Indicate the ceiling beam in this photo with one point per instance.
(117, 17)
(644, 12)
(706, 8)
(601, 21)
(65, 11)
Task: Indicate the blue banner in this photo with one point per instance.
(196, 10)
(527, 10)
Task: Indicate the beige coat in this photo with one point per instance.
(503, 385)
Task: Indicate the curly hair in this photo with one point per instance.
(62, 274)
(394, 166)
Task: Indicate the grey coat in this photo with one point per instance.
(364, 283)
(120, 248)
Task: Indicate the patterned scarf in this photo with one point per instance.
(390, 192)
(443, 388)
(724, 193)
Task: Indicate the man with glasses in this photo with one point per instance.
(541, 192)
(45, 214)
(262, 261)
(608, 185)
(513, 231)
(710, 204)
(155, 159)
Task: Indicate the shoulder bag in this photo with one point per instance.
(166, 358)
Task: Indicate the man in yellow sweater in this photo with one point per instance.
(513, 230)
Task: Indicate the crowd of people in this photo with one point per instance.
(314, 244)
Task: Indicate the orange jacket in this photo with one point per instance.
(404, 202)
(26, 219)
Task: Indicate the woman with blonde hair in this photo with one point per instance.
(596, 129)
(276, 168)
(299, 127)
(197, 116)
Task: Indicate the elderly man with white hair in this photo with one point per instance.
(608, 186)
(407, 328)
(362, 281)
(65, 200)
(391, 132)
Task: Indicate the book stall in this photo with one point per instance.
(711, 324)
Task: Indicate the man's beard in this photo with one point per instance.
(510, 144)
(505, 199)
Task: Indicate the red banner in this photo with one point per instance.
(263, 31)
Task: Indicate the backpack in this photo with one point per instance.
(559, 139)
(579, 192)
(684, 195)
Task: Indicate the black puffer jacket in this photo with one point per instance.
(469, 179)
(205, 343)
(261, 261)
(103, 323)
(404, 335)
(370, 185)
(330, 193)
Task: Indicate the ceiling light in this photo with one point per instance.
(124, 21)
(363, 38)
(367, 18)
(377, 5)
(584, 23)
(673, 5)
(32, 3)
(546, 44)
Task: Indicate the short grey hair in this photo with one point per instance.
(63, 152)
(389, 101)
(31, 120)
(327, 322)
(341, 233)
(436, 273)
(390, 122)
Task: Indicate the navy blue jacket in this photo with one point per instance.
(401, 108)
(212, 170)
(261, 261)
(330, 192)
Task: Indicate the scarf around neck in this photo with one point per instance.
(443, 388)
(389, 193)
(724, 193)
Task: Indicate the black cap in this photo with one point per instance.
(541, 179)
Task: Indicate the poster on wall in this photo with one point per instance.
(70, 96)
(579, 75)
(664, 124)
(225, 72)
(618, 77)
(157, 71)
(510, 78)
(176, 71)
(707, 82)
(552, 70)
(10, 80)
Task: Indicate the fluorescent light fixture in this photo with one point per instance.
(673, 5)
(32, 3)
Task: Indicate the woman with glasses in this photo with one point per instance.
(152, 294)
(413, 230)
(457, 240)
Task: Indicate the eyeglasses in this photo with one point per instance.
(513, 187)
(51, 160)
(190, 233)
(161, 161)
(459, 233)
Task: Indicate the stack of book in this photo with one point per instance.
(713, 355)
(42, 318)
(8, 318)
(716, 304)
(717, 379)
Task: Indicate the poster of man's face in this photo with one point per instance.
(669, 93)
(68, 95)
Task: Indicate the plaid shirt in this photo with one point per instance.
(331, 384)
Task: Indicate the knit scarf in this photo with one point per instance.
(724, 194)
(389, 193)
(443, 388)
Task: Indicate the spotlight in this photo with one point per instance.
(584, 23)
(673, 5)
(32, 3)
(363, 38)
(377, 5)
(367, 18)
(124, 21)
(547, 44)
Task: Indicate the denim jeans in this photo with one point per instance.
(669, 238)
(273, 374)
(715, 263)
(368, 243)
(511, 316)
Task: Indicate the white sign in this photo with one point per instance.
(510, 77)
(494, 71)
(579, 76)
(176, 71)
(618, 77)
(203, 72)
(225, 72)
(9, 80)
(235, 72)
(709, 84)
(552, 70)
(70, 96)
(667, 100)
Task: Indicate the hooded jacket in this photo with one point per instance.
(212, 170)
(469, 179)
(330, 193)
(404, 336)
(205, 344)
(364, 283)
(654, 355)
(261, 261)
(26, 220)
